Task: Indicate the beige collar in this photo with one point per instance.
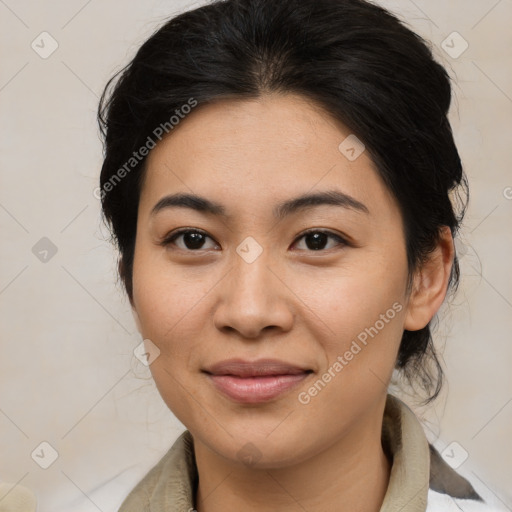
(404, 437)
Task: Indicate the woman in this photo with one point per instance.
(277, 177)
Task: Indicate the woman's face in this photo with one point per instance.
(247, 285)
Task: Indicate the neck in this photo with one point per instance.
(350, 475)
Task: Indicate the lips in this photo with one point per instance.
(257, 381)
(261, 368)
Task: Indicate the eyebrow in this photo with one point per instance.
(280, 211)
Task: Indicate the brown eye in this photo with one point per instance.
(317, 240)
(191, 239)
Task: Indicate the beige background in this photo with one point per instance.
(67, 372)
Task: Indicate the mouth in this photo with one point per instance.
(255, 382)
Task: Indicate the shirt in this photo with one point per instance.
(420, 479)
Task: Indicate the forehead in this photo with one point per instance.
(253, 151)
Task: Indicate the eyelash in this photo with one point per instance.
(168, 240)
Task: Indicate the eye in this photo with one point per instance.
(192, 239)
(316, 240)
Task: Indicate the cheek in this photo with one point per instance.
(347, 301)
(163, 294)
(358, 313)
(171, 312)
(360, 333)
(172, 316)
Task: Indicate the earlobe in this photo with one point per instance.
(430, 283)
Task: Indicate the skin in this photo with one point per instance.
(201, 306)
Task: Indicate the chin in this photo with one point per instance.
(253, 446)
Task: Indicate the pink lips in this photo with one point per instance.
(254, 382)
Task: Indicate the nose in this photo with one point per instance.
(253, 297)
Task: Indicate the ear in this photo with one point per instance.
(430, 283)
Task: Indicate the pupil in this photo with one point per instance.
(193, 240)
(319, 239)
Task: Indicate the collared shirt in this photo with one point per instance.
(420, 479)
